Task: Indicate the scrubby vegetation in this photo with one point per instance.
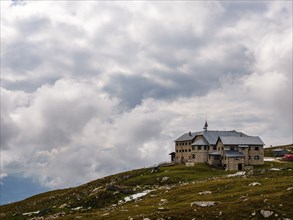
(173, 192)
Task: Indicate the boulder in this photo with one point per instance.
(203, 203)
(165, 178)
(254, 184)
(266, 213)
(205, 193)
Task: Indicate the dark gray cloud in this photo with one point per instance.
(28, 85)
(242, 7)
(24, 57)
(200, 79)
(33, 25)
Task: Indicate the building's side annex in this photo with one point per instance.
(229, 149)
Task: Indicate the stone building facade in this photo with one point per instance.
(232, 150)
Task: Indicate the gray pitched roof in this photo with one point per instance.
(248, 140)
(243, 145)
(212, 136)
(227, 137)
(233, 153)
(187, 136)
(200, 142)
(275, 150)
(216, 153)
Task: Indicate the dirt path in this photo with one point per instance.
(274, 160)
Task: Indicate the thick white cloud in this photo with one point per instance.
(93, 88)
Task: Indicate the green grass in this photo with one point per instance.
(234, 198)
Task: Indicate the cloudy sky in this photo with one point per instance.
(91, 88)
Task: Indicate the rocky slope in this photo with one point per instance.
(172, 192)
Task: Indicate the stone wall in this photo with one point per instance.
(244, 150)
(213, 161)
(253, 155)
(232, 163)
(200, 155)
(220, 147)
(183, 151)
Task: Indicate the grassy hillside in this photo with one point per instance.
(174, 192)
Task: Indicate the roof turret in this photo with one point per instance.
(205, 126)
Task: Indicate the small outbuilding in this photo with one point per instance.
(172, 156)
(280, 152)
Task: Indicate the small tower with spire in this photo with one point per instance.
(205, 127)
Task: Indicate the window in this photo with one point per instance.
(249, 157)
(204, 147)
(193, 147)
(214, 148)
(256, 148)
(236, 158)
(176, 151)
(185, 150)
(232, 148)
(199, 147)
(256, 157)
(193, 156)
(189, 150)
